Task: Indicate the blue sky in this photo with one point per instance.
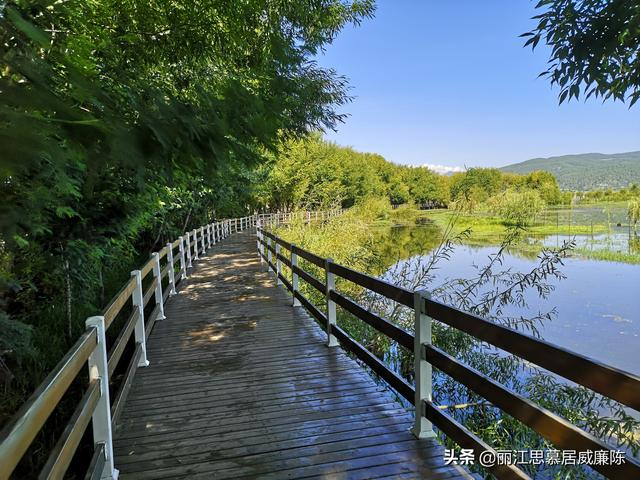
(448, 82)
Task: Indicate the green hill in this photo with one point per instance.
(588, 171)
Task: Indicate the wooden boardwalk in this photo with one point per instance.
(241, 385)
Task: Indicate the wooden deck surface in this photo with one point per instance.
(241, 385)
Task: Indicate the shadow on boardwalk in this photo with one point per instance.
(241, 385)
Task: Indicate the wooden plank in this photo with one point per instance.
(551, 426)
(398, 383)
(254, 443)
(121, 342)
(120, 398)
(311, 257)
(311, 308)
(60, 457)
(151, 290)
(310, 279)
(242, 384)
(386, 289)
(233, 429)
(466, 439)
(284, 259)
(118, 301)
(392, 331)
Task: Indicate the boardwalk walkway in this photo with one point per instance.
(241, 385)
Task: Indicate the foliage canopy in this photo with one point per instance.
(595, 47)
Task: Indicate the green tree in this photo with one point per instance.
(516, 208)
(477, 184)
(123, 125)
(594, 47)
(545, 184)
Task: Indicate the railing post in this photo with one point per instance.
(294, 275)
(170, 271)
(204, 248)
(157, 273)
(269, 258)
(422, 428)
(101, 419)
(278, 265)
(188, 245)
(260, 246)
(139, 333)
(183, 265)
(195, 244)
(330, 280)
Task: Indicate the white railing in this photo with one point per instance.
(279, 218)
(97, 406)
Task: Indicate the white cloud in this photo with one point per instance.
(444, 169)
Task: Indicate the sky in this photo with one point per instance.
(448, 83)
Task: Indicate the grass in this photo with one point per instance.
(608, 256)
(490, 230)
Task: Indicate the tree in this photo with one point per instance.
(424, 185)
(477, 184)
(516, 208)
(122, 125)
(594, 47)
(546, 184)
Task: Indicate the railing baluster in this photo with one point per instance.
(422, 428)
(157, 273)
(278, 265)
(294, 275)
(259, 245)
(204, 248)
(101, 419)
(139, 331)
(195, 244)
(330, 281)
(171, 271)
(269, 259)
(183, 264)
(188, 245)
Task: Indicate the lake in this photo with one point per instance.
(597, 304)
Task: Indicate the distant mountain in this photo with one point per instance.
(586, 171)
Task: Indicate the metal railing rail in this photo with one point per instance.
(608, 381)
(161, 274)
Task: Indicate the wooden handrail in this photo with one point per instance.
(611, 382)
(120, 343)
(117, 302)
(18, 434)
(392, 331)
(61, 456)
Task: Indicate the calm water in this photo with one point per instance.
(598, 304)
